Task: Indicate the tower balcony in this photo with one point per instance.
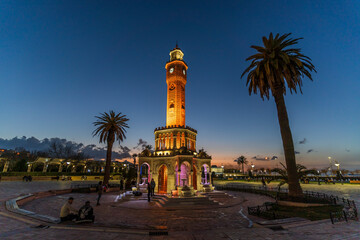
(175, 137)
(175, 127)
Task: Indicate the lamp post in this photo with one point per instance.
(330, 162)
(67, 166)
(338, 172)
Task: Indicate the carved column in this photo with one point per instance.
(45, 167)
(29, 168)
(6, 166)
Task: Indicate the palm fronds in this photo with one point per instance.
(277, 65)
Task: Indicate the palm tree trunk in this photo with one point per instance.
(242, 168)
(110, 142)
(293, 179)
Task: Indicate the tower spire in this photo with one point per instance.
(176, 44)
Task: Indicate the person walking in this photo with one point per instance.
(263, 182)
(121, 184)
(149, 189)
(153, 184)
(99, 190)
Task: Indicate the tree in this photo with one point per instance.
(272, 68)
(110, 127)
(241, 160)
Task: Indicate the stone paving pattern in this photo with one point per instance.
(223, 223)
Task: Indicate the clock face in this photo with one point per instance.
(171, 70)
(184, 72)
(172, 87)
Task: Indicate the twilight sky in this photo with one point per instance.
(63, 62)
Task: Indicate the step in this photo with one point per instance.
(283, 221)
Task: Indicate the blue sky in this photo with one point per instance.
(63, 62)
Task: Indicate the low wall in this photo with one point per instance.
(51, 178)
(42, 195)
(300, 204)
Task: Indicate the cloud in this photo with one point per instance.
(296, 152)
(310, 150)
(141, 145)
(302, 141)
(261, 158)
(34, 144)
(347, 150)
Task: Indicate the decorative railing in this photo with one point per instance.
(282, 194)
(344, 215)
(175, 126)
(349, 211)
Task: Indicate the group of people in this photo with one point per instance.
(86, 212)
(151, 189)
(69, 213)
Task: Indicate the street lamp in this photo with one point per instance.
(337, 165)
(252, 167)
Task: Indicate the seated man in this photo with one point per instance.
(68, 213)
(86, 213)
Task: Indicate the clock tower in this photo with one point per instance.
(176, 71)
(176, 166)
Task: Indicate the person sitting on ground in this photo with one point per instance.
(67, 212)
(86, 213)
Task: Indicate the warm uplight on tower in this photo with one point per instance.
(176, 71)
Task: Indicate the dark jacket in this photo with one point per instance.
(86, 212)
(99, 189)
(153, 184)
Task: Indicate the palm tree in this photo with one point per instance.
(241, 160)
(301, 171)
(110, 126)
(272, 68)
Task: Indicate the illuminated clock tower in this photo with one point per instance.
(176, 70)
(175, 163)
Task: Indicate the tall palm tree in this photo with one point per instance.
(110, 126)
(276, 65)
(241, 160)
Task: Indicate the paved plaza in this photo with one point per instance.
(351, 191)
(133, 219)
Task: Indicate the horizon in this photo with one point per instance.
(64, 63)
